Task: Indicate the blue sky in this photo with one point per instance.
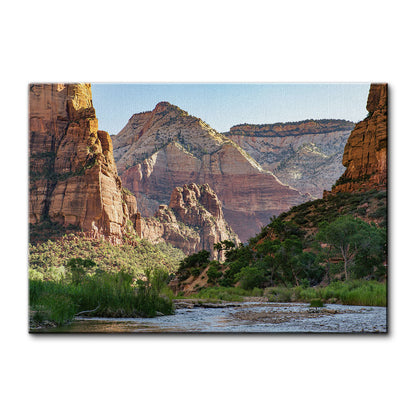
(225, 105)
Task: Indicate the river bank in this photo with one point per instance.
(192, 316)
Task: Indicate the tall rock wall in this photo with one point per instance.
(193, 221)
(162, 149)
(306, 155)
(365, 154)
(73, 176)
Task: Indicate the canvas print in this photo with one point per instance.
(208, 208)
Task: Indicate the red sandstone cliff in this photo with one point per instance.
(365, 154)
(73, 176)
(193, 221)
(162, 149)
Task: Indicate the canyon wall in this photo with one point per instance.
(306, 155)
(365, 154)
(73, 178)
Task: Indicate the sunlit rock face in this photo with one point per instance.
(306, 155)
(365, 155)
(162, 149)
(73, 176)
(193, 221)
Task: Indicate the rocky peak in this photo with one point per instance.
(156, 152)
(192, 221)
(165, 106)
(73, 175)
(377, 97)
(167, 124)
(365, 154)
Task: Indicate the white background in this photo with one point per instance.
(126, 41)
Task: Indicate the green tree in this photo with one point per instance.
(372, 251)
(287, 260)
(159, 278)
(224, 245)
(218, 247)
(267, 251)
(251, 277)
(354, 240)
(213, 273)
(79, 267)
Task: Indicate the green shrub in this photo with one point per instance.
(195, 271)
(213, 274)
(230, 294)
(35, 274)
(279, 294)
(134, 259)
(251, 277)
(316, 303)
(380, 212)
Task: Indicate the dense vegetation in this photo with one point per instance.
(72, 274)
(333, 248)
(83, 289)
(50, 257)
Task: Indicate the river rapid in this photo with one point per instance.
(244, 317)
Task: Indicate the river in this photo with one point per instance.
(245, 317)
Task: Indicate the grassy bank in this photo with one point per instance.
(354, 292)
(100, 294)
(228, 294)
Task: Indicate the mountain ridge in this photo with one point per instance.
(306, 155)
(166, 147)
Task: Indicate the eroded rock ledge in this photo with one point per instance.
(192, 221)
(365, 154)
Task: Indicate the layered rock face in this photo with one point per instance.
(365, 154)
(162, 149)
(73, 176)
(193, 221)
(306, 155)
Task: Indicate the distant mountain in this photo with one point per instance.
(306, 155)
(162, 149)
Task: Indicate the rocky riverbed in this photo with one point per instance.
(194, 316)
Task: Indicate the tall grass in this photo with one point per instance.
(228, 294)
(354, 292)
(102, 294)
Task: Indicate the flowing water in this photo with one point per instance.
(248, 317)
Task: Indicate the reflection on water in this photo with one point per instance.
(247, 318)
